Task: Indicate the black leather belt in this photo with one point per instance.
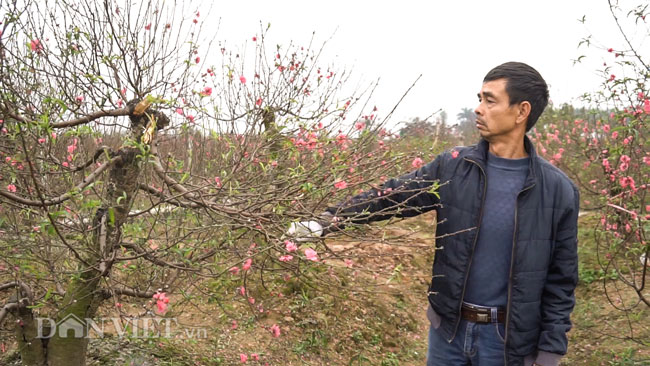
(482, 314)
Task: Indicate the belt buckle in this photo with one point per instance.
(482, 317)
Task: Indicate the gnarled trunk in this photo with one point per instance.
(83, 296)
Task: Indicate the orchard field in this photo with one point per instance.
(146, 188)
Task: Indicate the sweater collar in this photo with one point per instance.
(480, 152)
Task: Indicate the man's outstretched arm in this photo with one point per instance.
(409, 195)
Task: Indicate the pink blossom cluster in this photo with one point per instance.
(161, 301)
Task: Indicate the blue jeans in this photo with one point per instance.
(475, 344)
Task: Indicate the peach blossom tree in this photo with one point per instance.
(140, 157)
(605, 150)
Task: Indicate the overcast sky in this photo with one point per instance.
(453, 44)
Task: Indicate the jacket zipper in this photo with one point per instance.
(512, 266)
(471, 256)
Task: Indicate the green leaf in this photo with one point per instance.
(434, 189)
(111, 215)
(184, 177)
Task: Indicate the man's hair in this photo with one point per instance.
(523, 83)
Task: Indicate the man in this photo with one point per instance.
(502, 293)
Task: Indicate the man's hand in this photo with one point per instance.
(305, 230)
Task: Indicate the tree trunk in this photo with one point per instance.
(32, 352)
(82, 295)
(66, 348)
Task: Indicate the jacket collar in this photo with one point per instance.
(480, 152)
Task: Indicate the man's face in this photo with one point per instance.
(494, 115)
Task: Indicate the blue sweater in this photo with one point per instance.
(487, 284)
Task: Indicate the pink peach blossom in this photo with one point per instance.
(290, 246)
(311, 255)
(341, 184)
(161, 301)
(207, 91)
(275, 330)
(416, 163)
(36, 46)
(247, 264)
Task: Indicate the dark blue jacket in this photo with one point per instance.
(544, 269)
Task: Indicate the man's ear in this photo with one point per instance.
(524, 112)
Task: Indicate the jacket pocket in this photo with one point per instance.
(433, 317)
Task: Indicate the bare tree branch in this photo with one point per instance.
(78, 121)
(13, 306)
(62, 198)
(107, 294)
(26, 290)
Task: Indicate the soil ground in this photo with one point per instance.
(370, 314)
